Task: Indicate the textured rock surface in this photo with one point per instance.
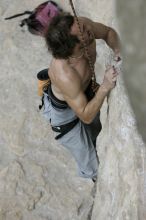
(135, 56)
(38, 177)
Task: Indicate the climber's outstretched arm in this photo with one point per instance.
(108, 34)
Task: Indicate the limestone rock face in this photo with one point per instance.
(132, 22)
(38, 179)
(120, 187)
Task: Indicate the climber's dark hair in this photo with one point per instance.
(58, 37)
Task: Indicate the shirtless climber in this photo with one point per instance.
(69, 103)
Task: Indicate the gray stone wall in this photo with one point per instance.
(132, 23)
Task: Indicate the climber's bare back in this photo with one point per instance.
(74, 74)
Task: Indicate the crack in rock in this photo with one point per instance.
(93, 193)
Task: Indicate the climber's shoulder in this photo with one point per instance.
(100, 30)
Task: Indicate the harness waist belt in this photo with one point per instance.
(64, 129)
(55, 101)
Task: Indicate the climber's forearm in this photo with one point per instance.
(113, 41)
(91, 109)
(108, 34)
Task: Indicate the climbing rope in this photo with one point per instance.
(95, 85)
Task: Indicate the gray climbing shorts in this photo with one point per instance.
(80, 141)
